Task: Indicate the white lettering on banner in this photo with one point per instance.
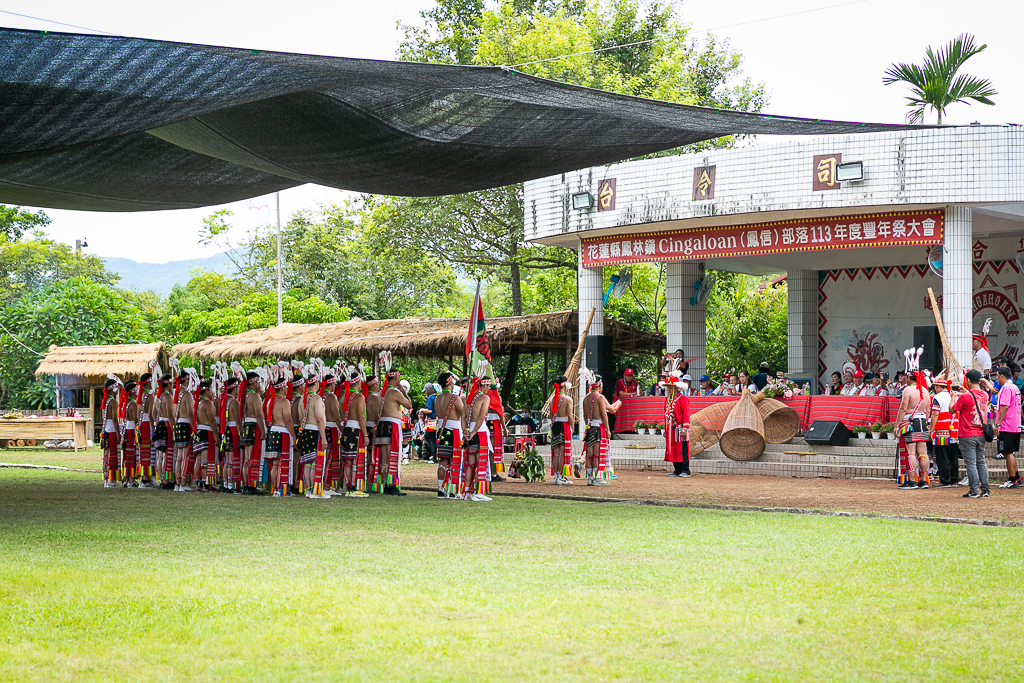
(920, 227)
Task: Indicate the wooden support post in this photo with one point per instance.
(546, 383)
(92, 412)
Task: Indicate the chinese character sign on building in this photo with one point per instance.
(703, 183)
(901, 229)
(825, 172)
(606, 195)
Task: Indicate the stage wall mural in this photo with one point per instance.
(868, 315)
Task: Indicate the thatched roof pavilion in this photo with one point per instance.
(423, 337)
(83, 366)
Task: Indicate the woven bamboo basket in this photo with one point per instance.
(706, 426)
(781, 422)
(743, 435)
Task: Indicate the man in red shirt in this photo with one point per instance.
(969, 411)
(627, 386)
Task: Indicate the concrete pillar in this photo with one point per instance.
(590, 293)
(802, 323)
(958, 283)
(685, 326)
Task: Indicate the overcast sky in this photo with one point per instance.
(820, 64)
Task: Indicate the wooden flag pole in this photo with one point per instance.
(953, 369)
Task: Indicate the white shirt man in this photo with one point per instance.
(982, 358)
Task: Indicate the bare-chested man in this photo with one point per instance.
(129, 444)
(254, 431)
(184, 457)
(313, 441)
(206, 438)
(334, 421)
(280, 439)
(147, 420)
(233, 437)
(387, 437)
(298, 414)
(916, 408)
(562, 422)
(111, 433)
(449, 408)
(478, 439)
(355, 436)
(596, 410)
(373, 465)
(163, 435)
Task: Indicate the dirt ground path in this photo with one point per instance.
(856, 495)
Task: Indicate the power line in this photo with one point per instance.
(59, 23)
(703, 30)
(18, 340)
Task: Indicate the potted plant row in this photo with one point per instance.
(652, 428)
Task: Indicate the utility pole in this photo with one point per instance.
(280, 278)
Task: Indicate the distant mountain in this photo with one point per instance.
(161, 277)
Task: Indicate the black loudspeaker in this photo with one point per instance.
(928, 337)
(828, 432)
(601, 361)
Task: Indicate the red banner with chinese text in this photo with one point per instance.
(895, 229)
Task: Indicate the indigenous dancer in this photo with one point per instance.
(372, 416)
(232, 437)
(313, 441)
(677, 429)
(596, 408)
(334, 423)
(387, 438)
(296, 397)
(163, 435)
(184, 460)
(280, 439)
(254, 431)
(129, 414)
(449, 410)
(496, 423)
(111, 431)
(913, 419)
(206, 437)
(944, 440)
(355, 437)
(562, 422)
(147, 418)
(477, 444)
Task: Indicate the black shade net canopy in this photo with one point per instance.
(125, 124)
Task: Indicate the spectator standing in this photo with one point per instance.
(627, 386)
(1008, 426)
(971, 420)
(760, 378)
(1017, 379)
(419, 430)
(982, 359)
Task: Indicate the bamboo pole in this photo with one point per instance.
(572, 370)
(952, 366)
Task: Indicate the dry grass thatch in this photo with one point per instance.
(428, 337)
(89, 365)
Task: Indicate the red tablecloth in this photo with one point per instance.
(851, 411)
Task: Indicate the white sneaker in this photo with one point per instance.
(186, 488)
(109, 485)
(313, 496)
(591, 481)
(406, 461)
(602, 482)
(146, 485)
(1007, 484)
(964, 481)
(277, 494)
(479, 498)
(565, 481)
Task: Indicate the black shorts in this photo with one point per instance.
(472, 444)
(559, 432)
(1008, 443)
(182, 434)
(160, 436)
(248, 436)
(445, 443)
(592, 436)
(382, 432)
(350, 442)
(309, 440)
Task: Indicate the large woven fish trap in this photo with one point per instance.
(781, 423)
(706, 426)
(743, 434)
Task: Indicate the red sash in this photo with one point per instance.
(252, 474)
(498, 446)
(146, 449)
(111, 460)
(360, 464)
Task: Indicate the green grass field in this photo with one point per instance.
(150, 585)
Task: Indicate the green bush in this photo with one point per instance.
(533, 466)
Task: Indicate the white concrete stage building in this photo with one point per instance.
(856, 251)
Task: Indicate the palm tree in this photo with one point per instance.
(936, 85)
